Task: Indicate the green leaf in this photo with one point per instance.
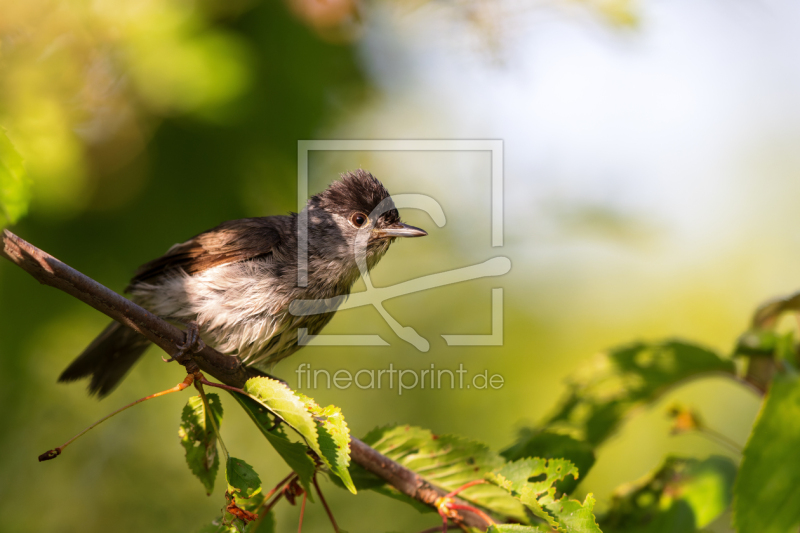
(517, 479)
(625, 378)
(682, 496)
(281, 401)
(446, 461)
(334, 439)
(574, 516)
(217, 526)
(262, 525)
(757, 343)
(766, 350)
(551, 445)
(767, 314)
(199, 440)
(532, 481)
(15, 187)
(768, 485)
(517, 528)
(243, 481)
(294, 453)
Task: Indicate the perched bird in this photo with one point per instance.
(236, 281)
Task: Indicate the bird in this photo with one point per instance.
(234, 283)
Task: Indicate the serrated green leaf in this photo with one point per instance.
(682, 496)
(551, 445)
(574, 516)
(446, 461)
(294, 453)
(243, 481)
(15, 187)
(284, 403)
(517, 477)
(768, 485)
(334, 439)
(518, 528)
(532, 482)
(606, 391)
(199, 439)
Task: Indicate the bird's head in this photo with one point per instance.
(357, 209)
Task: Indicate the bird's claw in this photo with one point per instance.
(192, 343)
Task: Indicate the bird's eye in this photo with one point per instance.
(358, 219)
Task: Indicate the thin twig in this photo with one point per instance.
(325, 504)
(266, 507)
(282, 483)
(302, 513)
(719, 438)
(461, 507)
(228, 388)
(465, 486)
(52, 454)
(199, 386)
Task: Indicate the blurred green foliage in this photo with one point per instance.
(616, 382)
(141, 124)
(766, 487)
(14, 183)
(684, 494)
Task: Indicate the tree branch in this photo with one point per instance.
(50, 271)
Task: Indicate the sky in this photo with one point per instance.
(662, 124)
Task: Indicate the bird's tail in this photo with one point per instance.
(107, 359)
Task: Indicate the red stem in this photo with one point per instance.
(325, 504)
(204, 381)
(280, 484)
(472, 509)
(268, 507)
(465, 486)
(302, 512)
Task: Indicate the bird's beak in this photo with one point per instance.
(399, 230)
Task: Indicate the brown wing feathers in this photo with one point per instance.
(232, 241)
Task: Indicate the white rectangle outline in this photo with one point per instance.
(494, 146)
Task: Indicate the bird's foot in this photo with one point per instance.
(192, 343)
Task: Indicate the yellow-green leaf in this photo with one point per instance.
(281, 401)
(334, 439)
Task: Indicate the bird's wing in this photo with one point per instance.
(230, 242)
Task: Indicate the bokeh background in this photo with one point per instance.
(651, 185)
